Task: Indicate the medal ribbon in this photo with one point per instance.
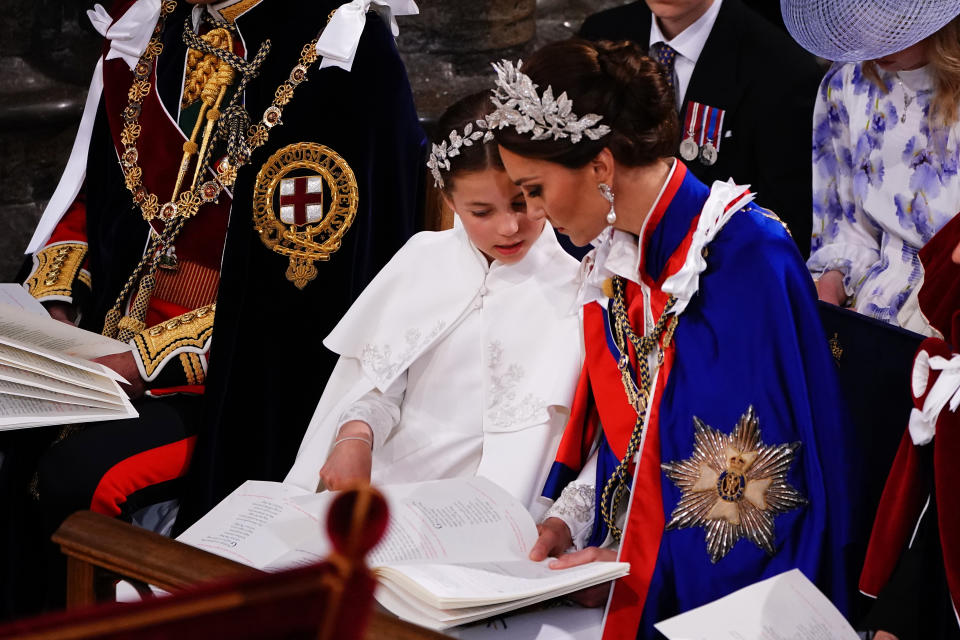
(690, 122)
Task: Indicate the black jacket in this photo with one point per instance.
(766, 83)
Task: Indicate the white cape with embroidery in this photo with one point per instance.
(491, 353)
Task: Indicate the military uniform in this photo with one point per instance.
(275, 239)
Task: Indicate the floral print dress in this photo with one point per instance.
(884, 182)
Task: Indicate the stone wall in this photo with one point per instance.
(47, 51)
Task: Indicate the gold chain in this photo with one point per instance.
(637, 394)
(186, 205)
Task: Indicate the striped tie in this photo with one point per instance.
(666, 56)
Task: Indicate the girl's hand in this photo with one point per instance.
(349, 461)
(555, 538)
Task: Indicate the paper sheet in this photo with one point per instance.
(26, 330)
(784, 607)
(15, 295)
(18, 412)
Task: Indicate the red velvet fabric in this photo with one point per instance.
(939, 296)
(908, 489)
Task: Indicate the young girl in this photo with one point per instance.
(461, 357)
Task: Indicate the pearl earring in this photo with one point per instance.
(607, 194)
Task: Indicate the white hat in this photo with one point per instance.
(856, 30)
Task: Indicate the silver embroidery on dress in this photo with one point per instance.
(505, 404)
(379, 361)
(575, 503)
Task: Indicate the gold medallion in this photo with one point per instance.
(733, 486)
(304, 201)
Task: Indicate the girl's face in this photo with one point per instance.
(494, 214)
(913, 57)
(569, 198)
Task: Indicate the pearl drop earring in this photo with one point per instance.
(607, 194)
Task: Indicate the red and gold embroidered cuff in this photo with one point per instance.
(185, 337)
(57, 272)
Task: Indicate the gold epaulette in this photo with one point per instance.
(156, 344)
(58, 267)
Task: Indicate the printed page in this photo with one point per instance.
(467, 585)
(28, 391)
(787, 606)
(18, 412)
(457, 520)
(397, 599)
(15, 295)
(26, 330)
(88, 377)
(255, 525)
(31, 378)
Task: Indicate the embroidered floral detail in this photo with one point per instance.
(576, 503)
(506, 406)
(379, 359)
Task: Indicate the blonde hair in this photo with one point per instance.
(943, 50)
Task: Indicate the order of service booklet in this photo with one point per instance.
(47, 376)
(455, 550)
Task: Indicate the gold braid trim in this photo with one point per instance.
(57, 268)
(156, 344)
(201, 66)
(192, 368)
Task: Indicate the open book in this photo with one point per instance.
(46, 376)
(455, 550)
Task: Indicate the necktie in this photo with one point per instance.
(666, 56)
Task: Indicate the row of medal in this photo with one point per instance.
(702, 128)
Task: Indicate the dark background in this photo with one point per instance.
(48, 50)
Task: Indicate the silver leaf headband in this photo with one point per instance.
(518, 105)
(441, 153)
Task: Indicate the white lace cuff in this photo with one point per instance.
(575, 506)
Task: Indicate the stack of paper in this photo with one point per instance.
(46, 376)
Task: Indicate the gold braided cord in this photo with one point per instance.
(638, 391)
(233, 124)
(201, 65)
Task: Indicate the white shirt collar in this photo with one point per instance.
(689, 45)
(689, 42)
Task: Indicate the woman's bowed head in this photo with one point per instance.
(574, 183)
(573, 179)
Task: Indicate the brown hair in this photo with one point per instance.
(943, 49)
(476, 157)
(614, 80)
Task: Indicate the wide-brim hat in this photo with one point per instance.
(856, 30)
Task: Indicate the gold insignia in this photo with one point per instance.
(57, 267)
(733, 486)
(191, 329)
(307, 236)
(836, 349)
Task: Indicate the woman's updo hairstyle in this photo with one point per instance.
(478, 156)
(611, 79)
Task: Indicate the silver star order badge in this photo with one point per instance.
(733, 486)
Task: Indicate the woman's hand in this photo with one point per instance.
(125, 364)
(554, 539)
(349, 461)
(830, 288)
(596, 595)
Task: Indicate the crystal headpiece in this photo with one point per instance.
(440, 154)
(518, 105)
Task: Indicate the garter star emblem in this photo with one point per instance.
(304, 201)
(733, 486)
